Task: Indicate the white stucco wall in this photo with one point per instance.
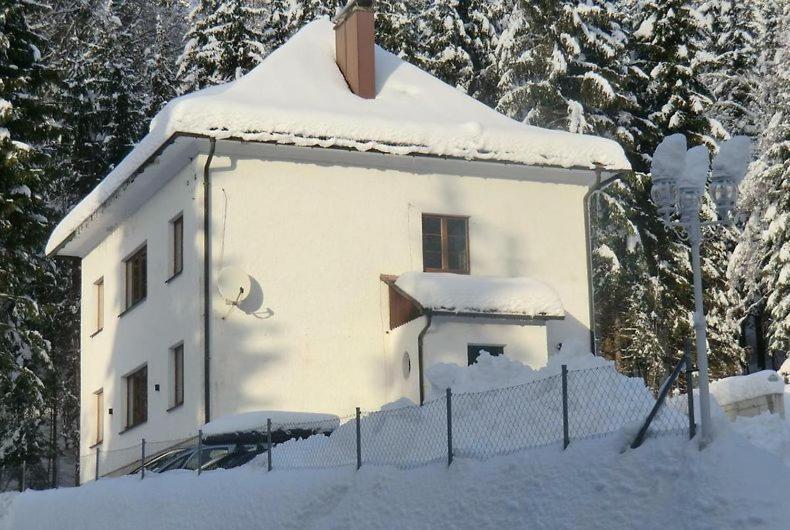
(316, 234)
(171, 313)
(315, 229)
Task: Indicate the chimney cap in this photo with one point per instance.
(350, 7)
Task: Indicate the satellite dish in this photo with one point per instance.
(233, 284)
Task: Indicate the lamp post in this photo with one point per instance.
(679, 180)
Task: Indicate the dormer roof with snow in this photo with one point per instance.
(299, 96)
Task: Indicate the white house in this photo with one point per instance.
(383, 221)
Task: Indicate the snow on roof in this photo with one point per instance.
(256, 420)
(298, 96)
(737, 388)
(460, 293)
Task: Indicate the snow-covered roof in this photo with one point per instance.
(740, 387)
(461, 293)
(256, 420)
(298, 96)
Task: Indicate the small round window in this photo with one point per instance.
(406, 362)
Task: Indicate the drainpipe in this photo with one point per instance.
(207, 282)
(598, 187)
(420, 340)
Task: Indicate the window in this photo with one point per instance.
(473, 351)
(137, 397)
(99, 416)
(98, 289)
(136, 278)
(445, 244)
(178, 375)
(178, 245)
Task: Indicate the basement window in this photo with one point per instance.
(136, 277)
(473, 351)
(445, 243)
(137, 397)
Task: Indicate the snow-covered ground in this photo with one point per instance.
(667, 483)
(739, 481)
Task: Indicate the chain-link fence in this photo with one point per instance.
(558, 409)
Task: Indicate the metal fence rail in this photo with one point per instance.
(558, 409)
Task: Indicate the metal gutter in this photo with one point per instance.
(207, 282)
(420, 341)
(598, 187)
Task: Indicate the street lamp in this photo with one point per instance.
(679, 179)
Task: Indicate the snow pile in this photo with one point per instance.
(695, 170)
(298, 96)
(499, 406)
(766, 431)
(256, 420)
(490, 372)
(737, 388)
(460, 293)
(590, 485)
(669, 157)
(733, 158)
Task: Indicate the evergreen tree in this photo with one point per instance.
(24, 127)
(665, 74)
(442, 43)
(729, 72)
(562, 68)
(484, 22)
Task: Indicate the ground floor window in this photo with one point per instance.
(137, 397)
(473, 351)
(99, 416)
(178, 375)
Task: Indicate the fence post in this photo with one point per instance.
(449, 427)
(98, 449)
(269, 444)
(565, 435)
(142, 459)
(23, 482)
(359, 439)
(690, 389)
(200, 450)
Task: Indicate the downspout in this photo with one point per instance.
(420, 341)
(207, 282)
(598, 187)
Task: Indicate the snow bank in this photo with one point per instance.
(256, 420)
(462, 293)
(590, 485)
(490, 372)
(737, 388)
(298, 96)
(499, 406)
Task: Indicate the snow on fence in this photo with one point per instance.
(557, 409)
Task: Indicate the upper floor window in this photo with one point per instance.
(98, 293)
(177, 227)
(136, 277)
(137, 397)
(445, 243)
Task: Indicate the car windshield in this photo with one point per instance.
(209, 454)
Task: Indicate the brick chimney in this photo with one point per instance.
(354, 47)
